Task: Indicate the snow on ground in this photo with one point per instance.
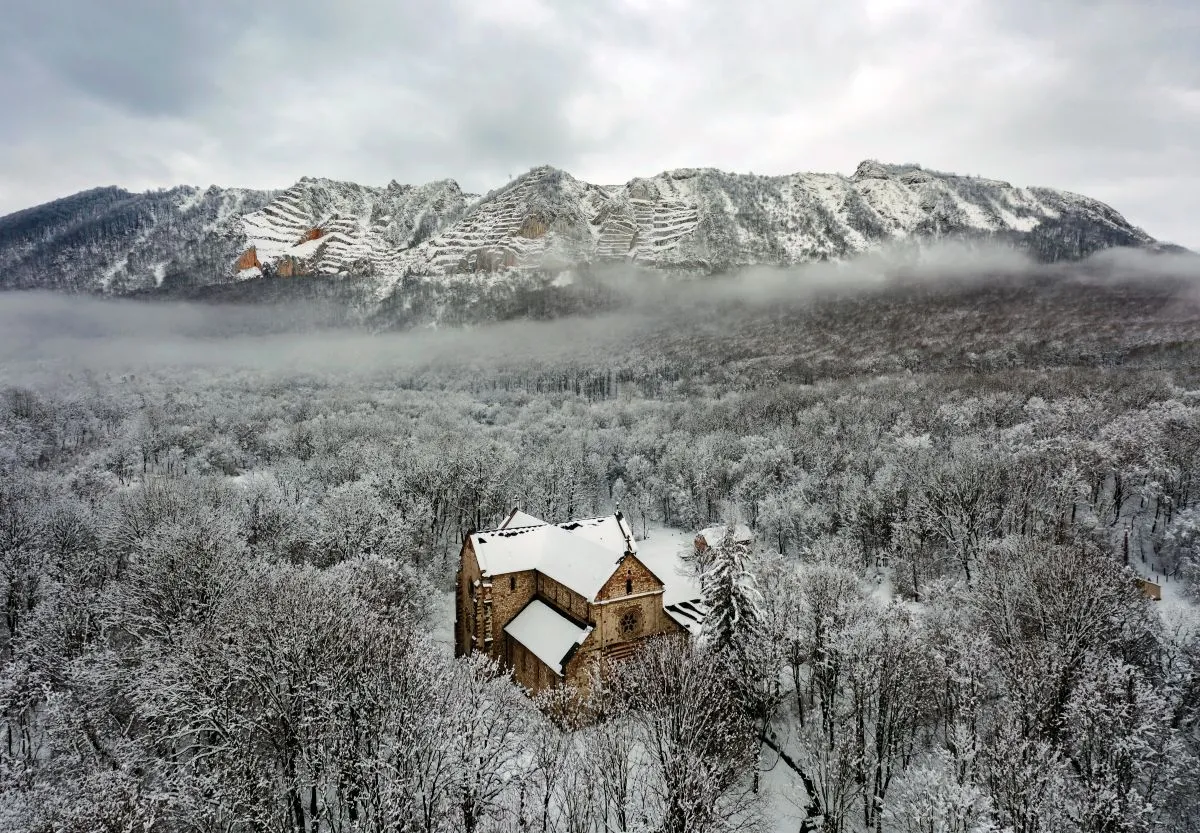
(1023, 224)
(1175, 608)
(879, 586)
(661, 549)
(308, 248)
(782, 793)
(106, 278)
(442, 633)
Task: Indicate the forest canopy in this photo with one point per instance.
(227, 544)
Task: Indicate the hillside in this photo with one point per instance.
(694, 220)
(110, 240)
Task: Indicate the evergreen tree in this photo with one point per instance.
(731, 595)
(734, 628)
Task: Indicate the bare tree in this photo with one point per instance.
(699, 742)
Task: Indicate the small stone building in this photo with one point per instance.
(553, 601)
(714, 536)
(1150, 589)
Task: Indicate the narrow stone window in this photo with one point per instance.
(512, 582)
(628, 586)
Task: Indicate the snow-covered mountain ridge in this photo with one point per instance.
(693, 219)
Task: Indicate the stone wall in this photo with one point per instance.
(644, 593)
(530, 671)
(510, 593)
(623, 617)
(634, 571)
(494, 603)
(563, 598)
(579, 669)
(466, 616)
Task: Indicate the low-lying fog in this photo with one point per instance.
(43, 330)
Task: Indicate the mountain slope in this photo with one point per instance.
(320, 226)
(709, 220)
(545, 221)
(108, 239)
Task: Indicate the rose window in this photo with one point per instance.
(630, 620)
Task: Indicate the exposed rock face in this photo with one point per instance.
(688, 219)
(286, 267)
(532, 228)
(870, 169)
(248, 260)
(356, 224)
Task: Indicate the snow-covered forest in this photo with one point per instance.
(225, 564)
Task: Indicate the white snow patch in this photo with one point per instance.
(891, 200)
(663, 551)
(581, 555)
(1013, 221)
(106, 278)
(519, 518)
(715, 535)
(191, 199)
(546, 633)
(442, 634)
(307, 248)
(975, 215)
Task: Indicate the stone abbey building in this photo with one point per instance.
(552, 601)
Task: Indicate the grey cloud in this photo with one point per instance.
(1072, 94)
(142, 55)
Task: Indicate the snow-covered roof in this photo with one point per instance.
(611, 532)
(664, 553)
(690, 614)
(547, 634)
(714, 535)
(581, 555)
(519, 518)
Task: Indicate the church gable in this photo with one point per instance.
(553, 602)
(630, 577)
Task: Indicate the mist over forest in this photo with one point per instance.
(229, 532)
(287, 332)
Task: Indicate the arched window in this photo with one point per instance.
(628, 586)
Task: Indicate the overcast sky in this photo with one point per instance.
(1097, 97)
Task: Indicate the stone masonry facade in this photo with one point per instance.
(626, 611)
